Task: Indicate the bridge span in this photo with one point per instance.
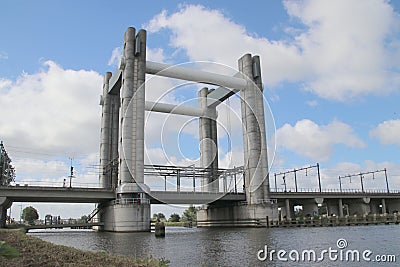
(99, 195)
(338, 202)
(102, 195)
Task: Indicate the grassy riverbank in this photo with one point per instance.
(36, 252)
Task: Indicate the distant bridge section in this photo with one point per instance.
(56, 194)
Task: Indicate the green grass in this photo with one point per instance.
(36, 252)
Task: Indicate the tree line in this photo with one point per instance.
(30, 214)
(189, 215)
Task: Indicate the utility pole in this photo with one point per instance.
(71, 174)
(387, 184)
(284, 181)
(362, 177)
(319, 178)
(362, 184)
(294, 171)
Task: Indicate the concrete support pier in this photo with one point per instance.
(208, 144)
(130, 211)
(4, 205)
(254, 135)
(258, 210)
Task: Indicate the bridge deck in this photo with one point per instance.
(56, 194)
(98, 195)
(66, 225)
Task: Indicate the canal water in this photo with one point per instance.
(333, 246)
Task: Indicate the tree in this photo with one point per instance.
(174, 218)
(189, 215)
(159, 216)
(30, 214)
(7, 171)
(83, 219)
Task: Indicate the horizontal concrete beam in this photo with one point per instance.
(174, 109)
(171, 197)
(187, 74)
(221, 93)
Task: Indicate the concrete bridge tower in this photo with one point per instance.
(258, 207)
(124, 147)
(122, 138)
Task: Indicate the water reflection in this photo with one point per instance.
(232, 246)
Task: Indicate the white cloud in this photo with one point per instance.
(312, 103)
(201, 39)
(156, 54)
(4, 84)
(345, 49)
(40, 172)
(387, 132)
(55, 110)
(345, 44)
(115, 55)
(3, 56)
(233, 158)
(316, 142)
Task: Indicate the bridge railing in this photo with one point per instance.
(55, 184)
(126, 201)
(260, 201)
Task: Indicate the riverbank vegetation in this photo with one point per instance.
(188, 218)
(32, 251)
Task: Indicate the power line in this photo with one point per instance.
(295, 176)
(362, 176)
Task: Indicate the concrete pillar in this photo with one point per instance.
(310, 208)
(105, 142)
(4, 205)
(260, 110)
(208, 144)
(131, 210)
(359, 206)
(133, 108)
(288, 210)
(340, 204)
(139, 108)
(384, 210)
(333, 207)
(115, 106)
(128, 84)
(254, 139)
(374, 206)
(392, 205)
(3, 216)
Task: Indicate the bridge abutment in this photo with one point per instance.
(392, 205)
(4, 205)
(358, 206)
(248, 215)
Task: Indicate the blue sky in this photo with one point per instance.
(331, 73)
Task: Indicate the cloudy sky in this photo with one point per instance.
(331, 73)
